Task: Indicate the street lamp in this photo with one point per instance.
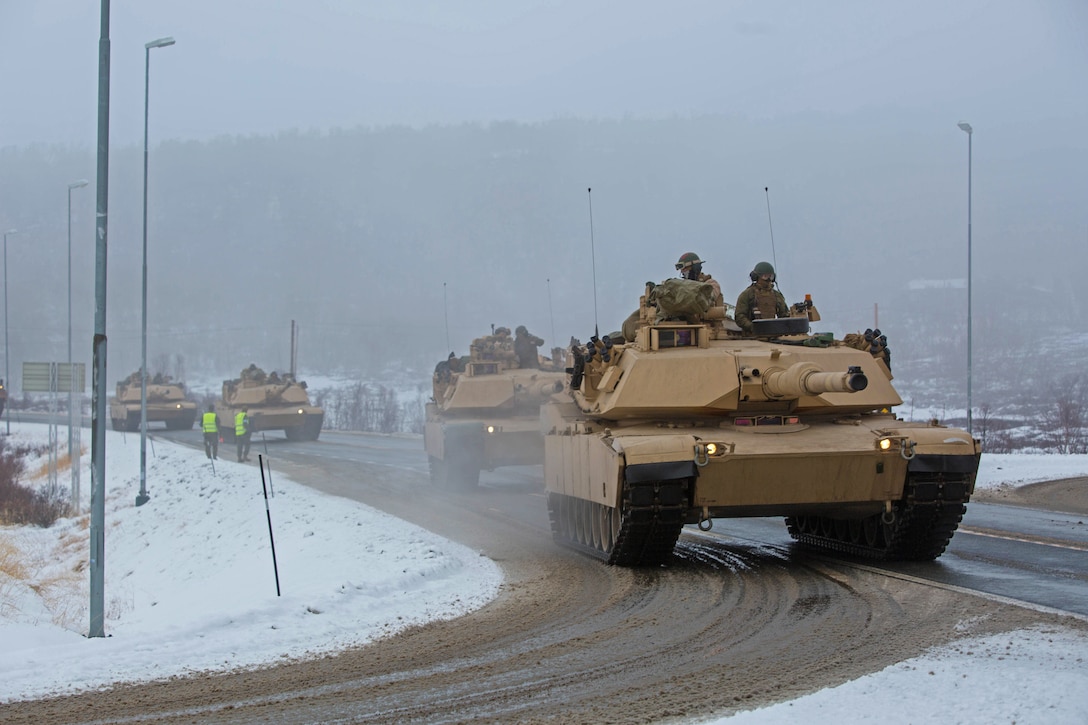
(966, 127)
(7, 373)
(142, 497)
(73, 457)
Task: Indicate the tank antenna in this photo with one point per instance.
(551, 311)
(446, 312)
(593, 257)
(767, 191)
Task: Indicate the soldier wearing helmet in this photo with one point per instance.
(690, 267)
(760, 300)
(525, 345)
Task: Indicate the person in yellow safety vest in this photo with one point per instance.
(209, 423)
(242, 432)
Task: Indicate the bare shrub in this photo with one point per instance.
(20, 504)
(1064, 422)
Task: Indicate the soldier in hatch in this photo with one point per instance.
(691, 267)
(525, 346)
(760, 300)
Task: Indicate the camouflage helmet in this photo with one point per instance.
(521, 330)
(688, 259)
(761, 269)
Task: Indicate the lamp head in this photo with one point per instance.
(160, 43)
(11, 231)
(78, 184)
(964, 126)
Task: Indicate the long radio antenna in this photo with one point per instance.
(593, 257)
(551, 311)
(446, 312)
(774, 257)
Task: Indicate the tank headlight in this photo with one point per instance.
(178, 406)
(885, 444)
(301, 411)
(491, 429)
(711, 450)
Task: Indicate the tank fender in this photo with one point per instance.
(940, 450)
(657, 458)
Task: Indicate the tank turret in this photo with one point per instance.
(485, 410)
(273, 401)
(166, 401)
(687, 420)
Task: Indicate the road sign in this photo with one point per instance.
(36, 377)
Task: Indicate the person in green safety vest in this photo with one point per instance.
(242, 432)
(209, 423)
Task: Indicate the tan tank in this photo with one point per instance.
(166, 403)
(485, 412)
(274, 401)
(689, 421)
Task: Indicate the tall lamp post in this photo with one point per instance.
(73, 457)
(7, 373)
(966, 128)
(142, 497)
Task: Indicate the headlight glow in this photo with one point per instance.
(711, 448)
(490, 429)
(300, 411)
(885, 444)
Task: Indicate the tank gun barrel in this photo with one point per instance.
(805, 378)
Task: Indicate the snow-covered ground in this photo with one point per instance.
(190, 586)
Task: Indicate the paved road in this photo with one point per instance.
(742, 617)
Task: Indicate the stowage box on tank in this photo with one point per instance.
(485, 412)
(690, 421)
(166, 403)
(273, 401)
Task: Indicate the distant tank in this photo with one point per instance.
(166, 403)
(274, 402)
(485, 412)
(685, 420)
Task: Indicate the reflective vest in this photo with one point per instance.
(207, 423)
(240, 424)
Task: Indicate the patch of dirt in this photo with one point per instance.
(1069, 495)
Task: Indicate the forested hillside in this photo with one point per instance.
(390, 246)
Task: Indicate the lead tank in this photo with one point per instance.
(689, 421)
(485, 410)
(166, 403)
(274, 401)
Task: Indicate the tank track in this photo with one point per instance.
(924, 521)
(651, 518)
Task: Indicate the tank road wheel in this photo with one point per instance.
(918, 528)
(641, 532)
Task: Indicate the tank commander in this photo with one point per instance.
(525, 346)
(760, 300)
(690, 267)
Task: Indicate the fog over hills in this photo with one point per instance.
(397, 178)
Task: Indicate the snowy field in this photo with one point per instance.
(190, 587)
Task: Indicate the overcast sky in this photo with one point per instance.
(260, 66)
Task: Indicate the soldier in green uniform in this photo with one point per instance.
(690, 266)
(525, 345)
(760, 300)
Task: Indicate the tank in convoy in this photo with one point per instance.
(273, 401)
(166, 403)
(682, 419)
(485, 409)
